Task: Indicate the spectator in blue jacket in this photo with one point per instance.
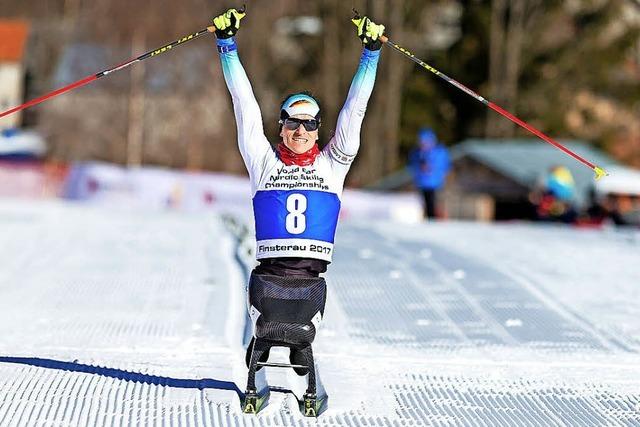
(429, 164)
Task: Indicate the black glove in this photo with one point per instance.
(228, 23)
(369, 32)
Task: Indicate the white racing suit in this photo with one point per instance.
(296, 207)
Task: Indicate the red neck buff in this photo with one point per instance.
(289, 158)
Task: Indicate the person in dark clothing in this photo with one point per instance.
(602, 209)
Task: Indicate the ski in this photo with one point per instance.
(253, 402)
(313, 402)
(310, 405)
(313, 405)
(256, 399)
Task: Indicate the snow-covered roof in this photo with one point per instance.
(526, 160)
(621, 180)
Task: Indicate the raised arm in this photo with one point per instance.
(343, 147)
(252, 142)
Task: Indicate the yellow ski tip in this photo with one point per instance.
(600, 172)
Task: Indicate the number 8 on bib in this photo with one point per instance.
(294, 222)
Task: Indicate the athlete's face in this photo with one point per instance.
(299, 140)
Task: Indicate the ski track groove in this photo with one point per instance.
(100, 405)
(440, 310)
(128, 405)
(498, 329)
(112, 396)
(48, 395)
(51, 394)
(38, 406)
(74, 389)
(29, 407)
(88, 390)
(13, 388)
(120, 401)
(156, 411)
(139, 416)
(42, 391)
(69, 407)
(22, 390)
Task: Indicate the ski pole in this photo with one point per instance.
(106, 72)
(384, 39)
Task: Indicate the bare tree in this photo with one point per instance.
(135, 135)
(177, 112)
(510, 21)
(496, 74)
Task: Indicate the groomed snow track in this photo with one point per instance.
(114, 318)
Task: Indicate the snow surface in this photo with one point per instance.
(112, 317)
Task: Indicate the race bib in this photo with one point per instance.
(297, 223)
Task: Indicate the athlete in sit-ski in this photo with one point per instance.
(296, 188)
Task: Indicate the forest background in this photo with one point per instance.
(571, 68)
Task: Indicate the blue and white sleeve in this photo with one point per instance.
(252, 142)
(344, 145)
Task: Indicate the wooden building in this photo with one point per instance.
(504, 172)
(490, 179)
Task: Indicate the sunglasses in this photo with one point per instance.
(291, 123)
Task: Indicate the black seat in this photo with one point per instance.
(286, 306)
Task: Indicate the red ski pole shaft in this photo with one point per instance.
(56, 92)
(539, 134)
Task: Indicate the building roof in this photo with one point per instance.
(622, 180)
(525, 161)
(13, 38)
